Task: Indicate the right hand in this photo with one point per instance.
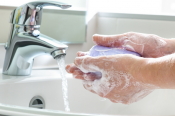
(147, 45)
(117, 80)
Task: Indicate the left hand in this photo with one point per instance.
(147, 45)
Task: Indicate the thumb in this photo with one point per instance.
(88, 64)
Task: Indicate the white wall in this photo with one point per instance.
(128, 6)
(55, 23)
(134, 6)
(109, 25)
(74, 3)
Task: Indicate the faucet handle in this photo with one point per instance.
(41, 4)
(30, 14)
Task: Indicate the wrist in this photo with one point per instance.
(159, 72)
(144, 72)
(138, 69)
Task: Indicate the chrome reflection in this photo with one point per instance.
(25, 40)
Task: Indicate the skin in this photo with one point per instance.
(147, 45)
(130, 78)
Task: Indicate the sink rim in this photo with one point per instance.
(37, 75)
(21, 111)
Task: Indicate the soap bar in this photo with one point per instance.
(98, 50)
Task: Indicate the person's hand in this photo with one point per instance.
(120, 77)
(113, 77)
(147, 45)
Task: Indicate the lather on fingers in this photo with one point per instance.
(80, 53)
(70, 68)
(147, 45)
(78, 74)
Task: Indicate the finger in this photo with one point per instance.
(94, 64)
(109, 40)
(79, 54)
(122, 40)
(91, 90)
(91, 76)
(89, 85)
(100, 86)
(78, 74)
(131, 46)
(70, 68)
(115, 101)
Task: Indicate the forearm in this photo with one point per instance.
(159, 71)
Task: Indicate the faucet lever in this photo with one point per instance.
(30, 14)
(41, 4)
(25, 41)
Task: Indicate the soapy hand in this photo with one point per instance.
(111, 77)
(118, 77)
(147, 45)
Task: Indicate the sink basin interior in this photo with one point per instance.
(47, 83)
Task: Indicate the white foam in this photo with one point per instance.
(113, 80)
(141, 40)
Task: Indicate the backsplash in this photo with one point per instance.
(114, 25)
(101, 25)
(64, 25)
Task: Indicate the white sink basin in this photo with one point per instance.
(47, 84)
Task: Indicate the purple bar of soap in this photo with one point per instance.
(107, 51)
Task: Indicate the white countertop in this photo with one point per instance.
(36, 75)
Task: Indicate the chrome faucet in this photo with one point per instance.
(25, 41)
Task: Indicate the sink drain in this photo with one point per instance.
(37, 102)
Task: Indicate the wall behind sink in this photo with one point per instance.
(103, 25)
(64, 25)
(117, 25)
(47, 61)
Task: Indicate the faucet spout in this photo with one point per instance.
(25, 47)
(25, 40)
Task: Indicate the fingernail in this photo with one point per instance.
(82, 53)
(68, 68)
(95, 37)
(78, 53)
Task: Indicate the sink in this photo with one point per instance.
(18, 91)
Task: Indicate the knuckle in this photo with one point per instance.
(88, 60)
(114, 101)
(130, 33)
